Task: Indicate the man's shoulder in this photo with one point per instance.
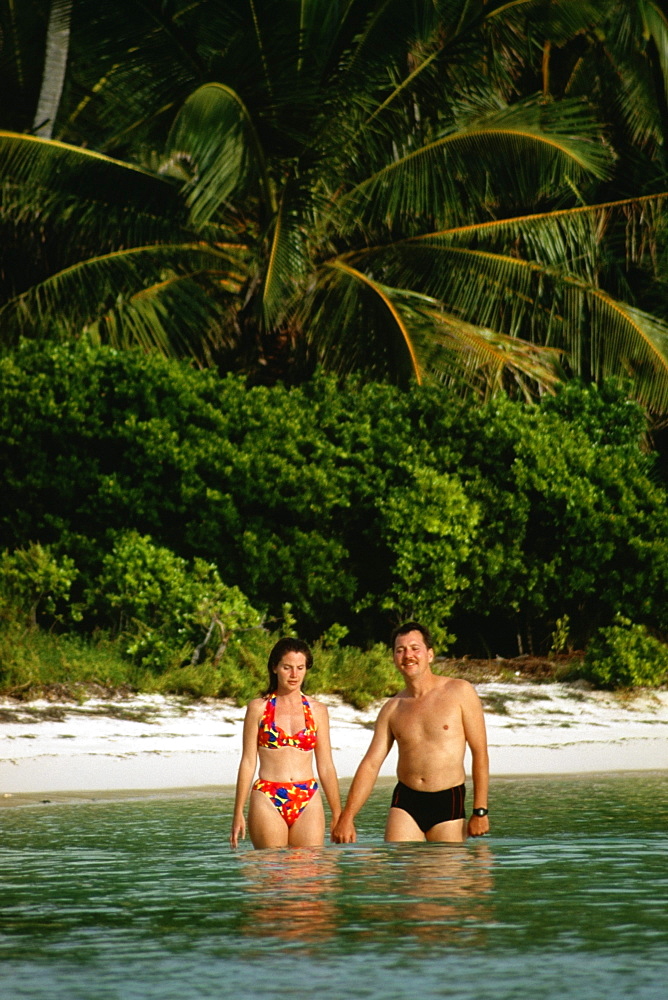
(393, 701)
(389, 707)
(456, 687)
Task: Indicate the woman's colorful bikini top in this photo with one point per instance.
(272, 736)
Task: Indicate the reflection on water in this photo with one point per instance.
(424, 891)
(432, 892)
(290, 894)
(145, 901)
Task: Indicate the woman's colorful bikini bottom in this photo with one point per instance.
(290, 799)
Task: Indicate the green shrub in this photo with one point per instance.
(429, 524)
(572, 522)
(356, 503)
(200, 681)
(33, 580)
(243, 668)
(360, 677)
(31, 660)
(606, 413)
(626, 655)
(165, 608)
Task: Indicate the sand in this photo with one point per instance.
(153, 744)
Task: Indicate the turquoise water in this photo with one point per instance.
(143, 899)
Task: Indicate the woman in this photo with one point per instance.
(285, 802)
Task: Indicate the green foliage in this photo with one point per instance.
(243, 668)
(429, 524)
(334, 502)
(560, 635)
(360, 677)
(33, 580)
(165, 607)
(203, 680)
(31, 660)
(624, 655)
(470, 191)
(571, 524)
(606, 413)
(334, 635)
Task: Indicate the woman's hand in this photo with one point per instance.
(334, 822)
(238, 831)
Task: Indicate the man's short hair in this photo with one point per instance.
(412, 627)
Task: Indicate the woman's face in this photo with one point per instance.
(290, 672)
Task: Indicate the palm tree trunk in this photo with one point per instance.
(55, 64)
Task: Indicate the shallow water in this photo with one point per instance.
(143, 899)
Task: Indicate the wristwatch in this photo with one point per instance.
(480, 812)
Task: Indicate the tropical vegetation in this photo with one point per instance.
(625, 654)
(324, 313)
(471, 191)
(156, 491)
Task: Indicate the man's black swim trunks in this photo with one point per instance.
(430, 808)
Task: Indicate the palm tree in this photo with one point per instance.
(55, 64)
(371, 186)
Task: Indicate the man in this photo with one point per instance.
(432, 721)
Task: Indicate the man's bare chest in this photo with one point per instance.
(436, 722)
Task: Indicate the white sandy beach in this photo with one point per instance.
(152, 743)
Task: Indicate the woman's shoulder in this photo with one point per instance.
(318, 708)
(256, 706)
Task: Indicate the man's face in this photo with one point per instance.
(411, 656)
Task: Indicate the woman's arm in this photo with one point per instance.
(246, 769)
(325, 763)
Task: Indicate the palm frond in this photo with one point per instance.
(527, 149)
(214, 138)
(629, 342)
(154, 319)
(55, 63)
(61, 204)
(288, 262)
(544, 300)
(79, 295)
(629, 231)
(380, 341)
(558, 20)
(59, 167)
(396, 321)
(655, 23)
(633, 98)
(487, 363)
(132, 60)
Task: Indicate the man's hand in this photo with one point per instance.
(344, 832)
(478, 826)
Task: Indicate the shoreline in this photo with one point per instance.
(164, 746)
(226, 792)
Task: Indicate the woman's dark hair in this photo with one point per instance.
(283, 646)
(412, 627)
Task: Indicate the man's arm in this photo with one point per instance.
(476, 737)
(365, 777)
